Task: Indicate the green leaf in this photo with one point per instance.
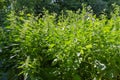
(89, 46)
(76, 77)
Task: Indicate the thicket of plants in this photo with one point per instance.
(76, 46)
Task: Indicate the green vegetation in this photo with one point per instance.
(62, 45)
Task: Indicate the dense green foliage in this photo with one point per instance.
(75, 47)
(37, 6)
(59, 40)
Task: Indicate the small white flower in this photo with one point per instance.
(78, 54)
(103, 66)
(100, 65)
